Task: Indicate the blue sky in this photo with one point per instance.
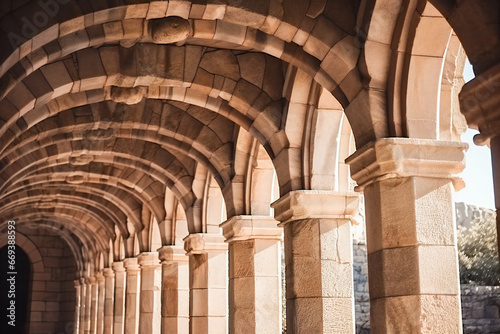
(477, 174)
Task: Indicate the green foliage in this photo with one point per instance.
(478, 253)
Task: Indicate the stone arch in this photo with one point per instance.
(100, 212)
(422, 74)
(277, 29)
(73, 219)
(30, 249)
(476, 25)
(95, 180)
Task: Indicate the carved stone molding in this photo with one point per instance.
(315, 204)
(251, 227)
(406, 157)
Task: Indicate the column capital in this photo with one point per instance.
(389, 158)
(480, 104)
(200, 243)
(172, 254)
(251, 227)
(108, 272)
(118, 266)
(148, 259)
(130, 264)
(99, 277)
(315, 204)
(77, 283)
(90, 280)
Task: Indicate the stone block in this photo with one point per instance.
(221, 62)
(252, 68)
(21, 97)
(214, 11)
(336, 279)
(179, 8)
(241, 256)
(267, 258)
(323, 37)
(91, 70)
(413, 270)
(407, 222)
(75, 41)
(416, 314)
(198, 302)
(230, 32)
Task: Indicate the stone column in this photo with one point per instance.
(93, 307)
(174, 290)
(495, 160)
(78, 301)
(318, 257)
(88, 304)
(150, 301)
(119, 305)
(410, 230)
(100, 303)
(109, 295)
(480, 104)
(132, 294)
(254, 274)
(207, 282)
(83, 306)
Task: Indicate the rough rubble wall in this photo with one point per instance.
(362, 299)
(480, 309)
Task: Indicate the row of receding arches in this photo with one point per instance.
(131, 126)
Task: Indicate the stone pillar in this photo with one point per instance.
(495, 160)
(174, 290)
(410, 231)
(78, 301)
(132, 294)
(318, 257)
(109, 296)
(93, 307)
(119, 305)
(88, 304)
(83, 305)
(254, 274)
(480, 104)
(150, 301)
(207, 282)
(100, 303)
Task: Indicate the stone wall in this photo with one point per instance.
(480, 309)
(362, 298)
(466, 214)
(52, 290)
